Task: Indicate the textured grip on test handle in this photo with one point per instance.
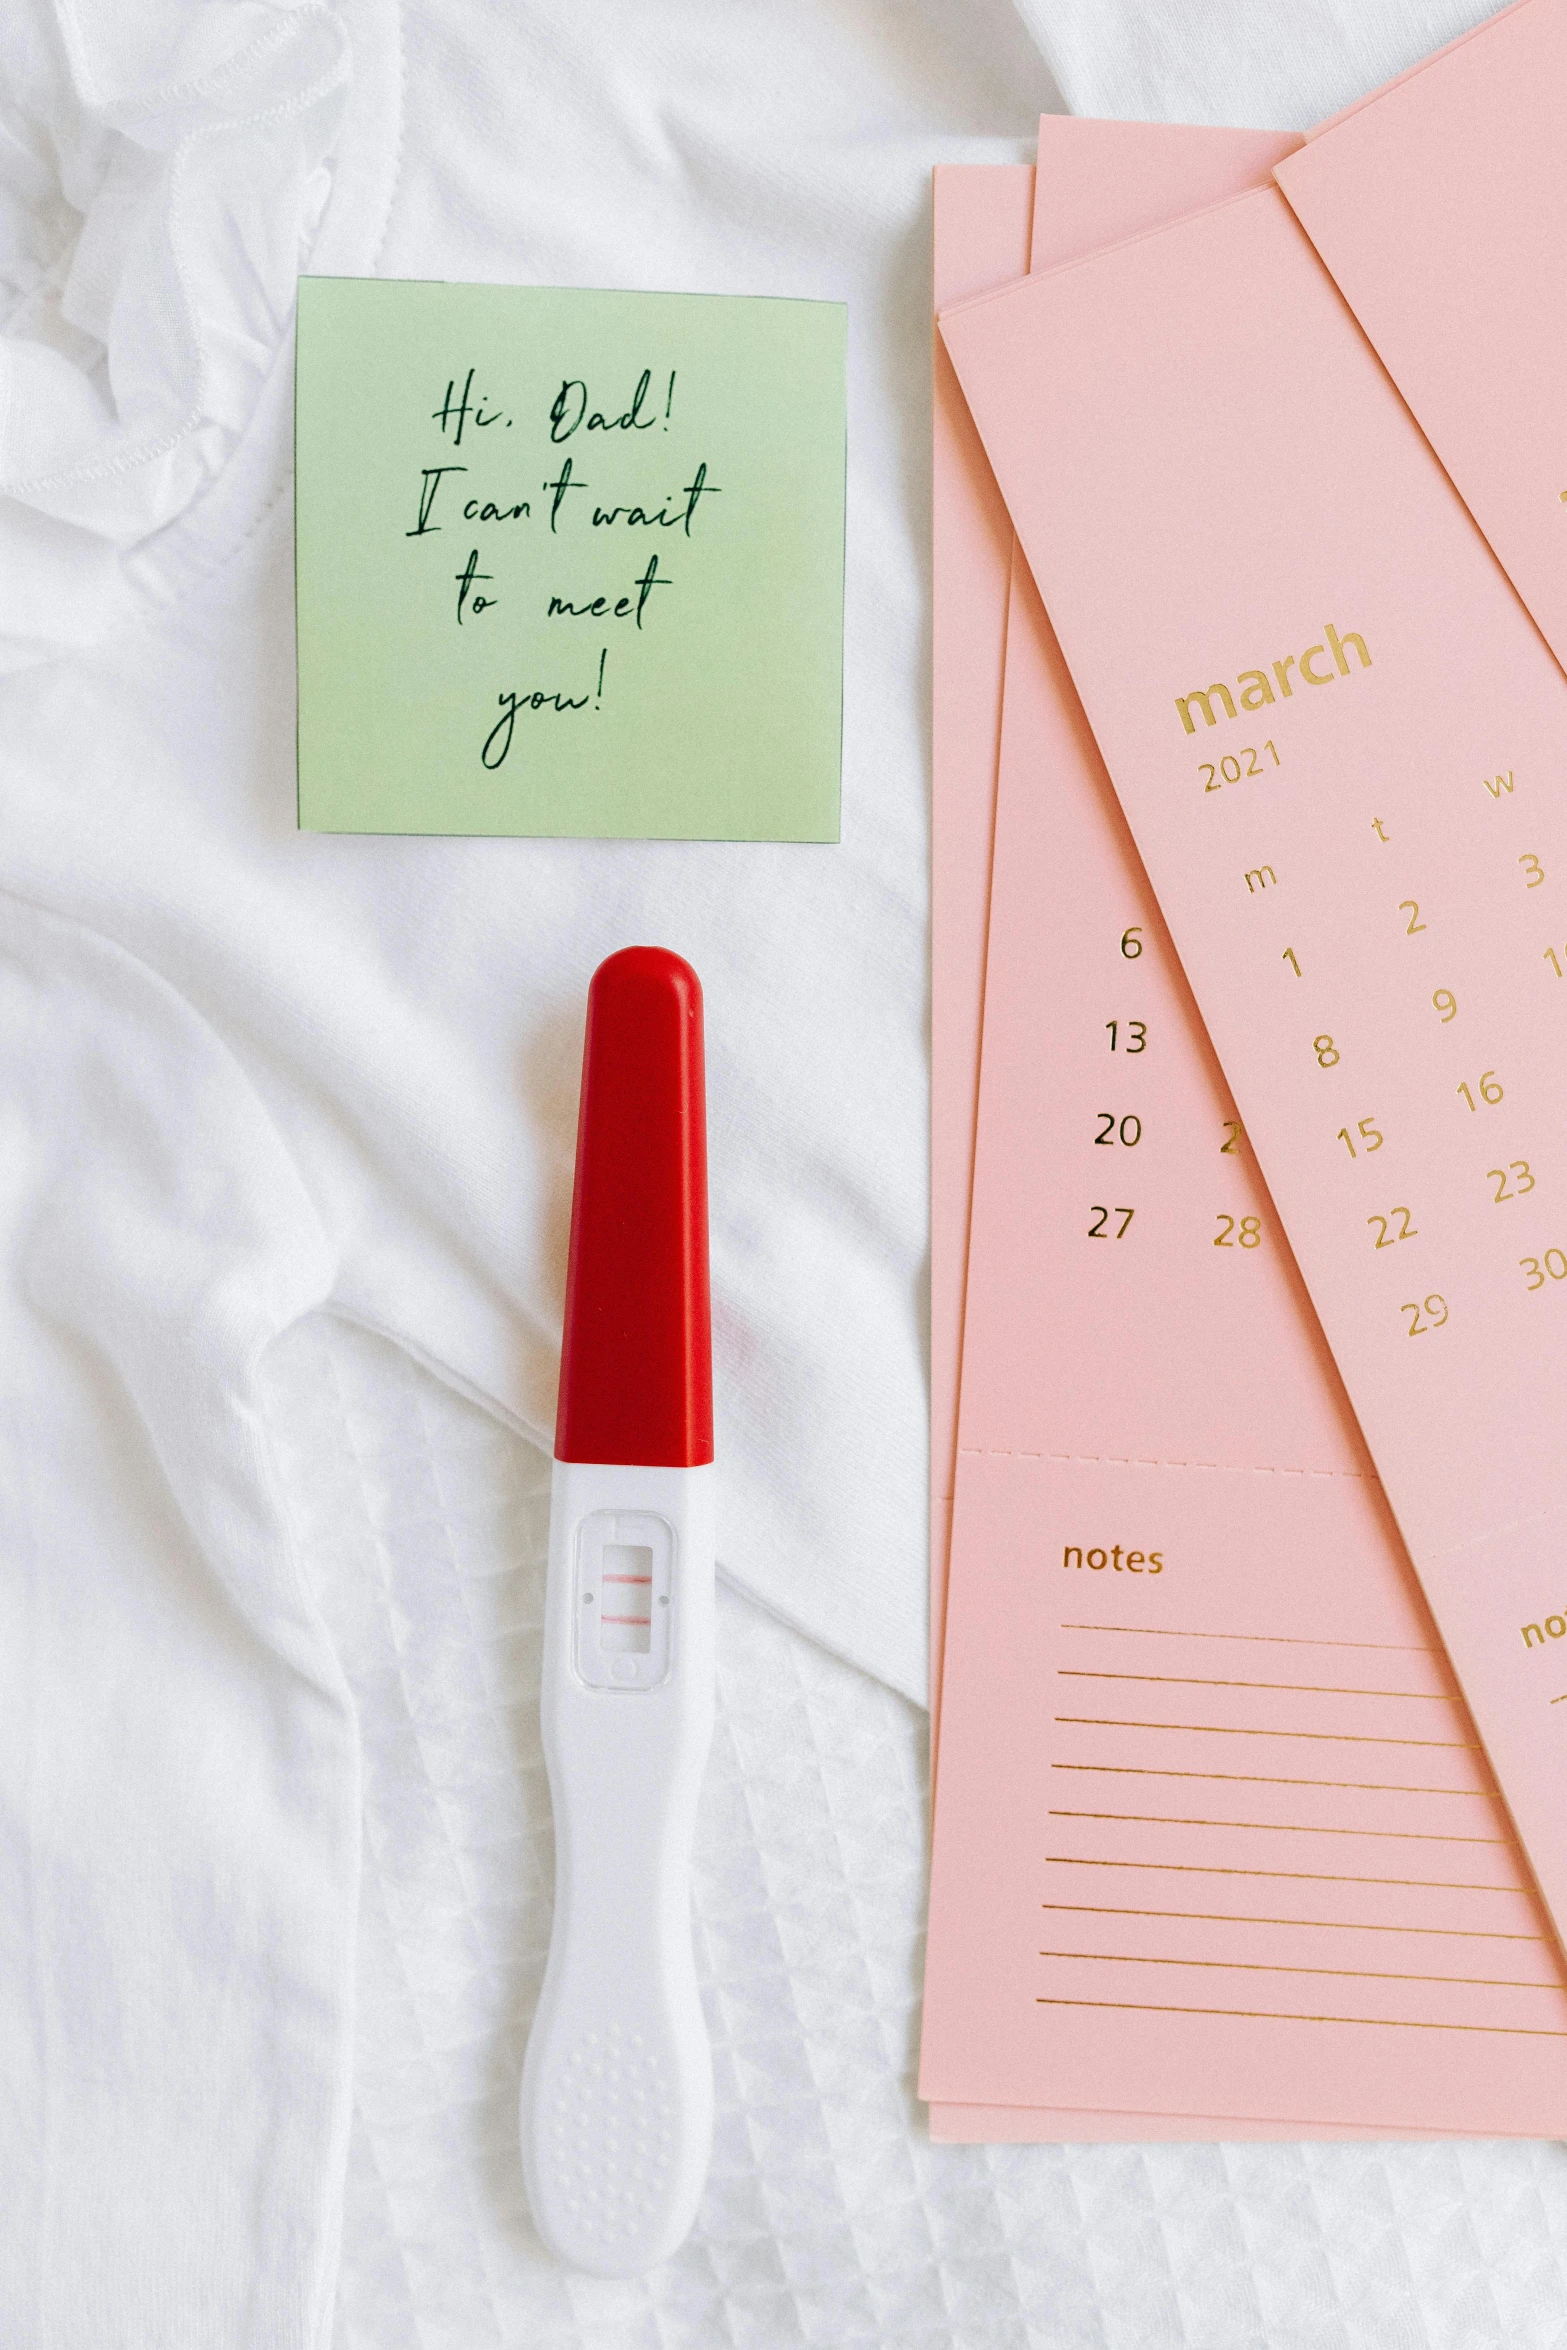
(617, 2087)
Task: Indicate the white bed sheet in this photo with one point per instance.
(1281, 66)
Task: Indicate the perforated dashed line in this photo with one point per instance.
(1511, 1526)
(1112, 1460)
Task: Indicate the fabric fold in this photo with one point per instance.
(179, 1776)
(162, 192)
(1228, 61)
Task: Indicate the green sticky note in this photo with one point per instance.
(568, 563)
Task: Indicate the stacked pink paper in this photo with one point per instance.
(1219, 1848)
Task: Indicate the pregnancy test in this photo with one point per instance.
(617, 2086)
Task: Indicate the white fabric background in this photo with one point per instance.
(256, 1088)
(1271, 64)
(409, 1012)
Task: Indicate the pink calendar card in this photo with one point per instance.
(1338, 739)
(1213, 1831)
(1104, 181)
(1440, 207)
(981, 237)
(980, 233)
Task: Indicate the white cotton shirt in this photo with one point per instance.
(179, 1781)
(1282, 65)
(410, 1010)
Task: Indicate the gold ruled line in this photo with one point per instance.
(1197, 1868)
(1296, 1688)
(1352, 1974)
(1227, 1730)
(1269, 2015)
(1562, 1700)
(1230, 1917)
(1155, 1819)
(1264, 1779)
(1264, 1639)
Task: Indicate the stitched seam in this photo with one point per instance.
(396, 180)
(144, 452)
(285, 488)
(266, 43)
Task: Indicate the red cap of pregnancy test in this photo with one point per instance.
(636, 1365)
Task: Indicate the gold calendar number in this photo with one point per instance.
(1410, 906)
(1370, 1138)
(1113, 1130)
(1488, 1089)
(1217, 773)
(1232, 1127)
(1387, 1237)
(1135, 1039)
(1554, 960)
(1099, 1229)
(1445, 1003)
(1247, 1232)
(1433, 1307)
(1132, 942)
(1520, 1173)
(1534, 871)
(1289, 957)
(1535, 1269)
(1326, 1051)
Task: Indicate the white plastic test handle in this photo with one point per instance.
(617, 2087)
